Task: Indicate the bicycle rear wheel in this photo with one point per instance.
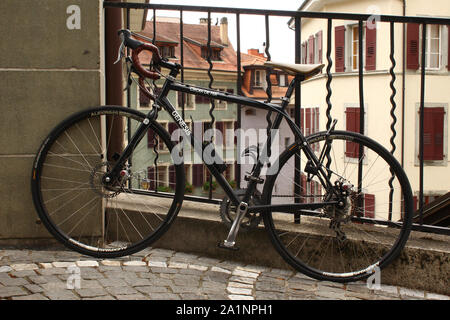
(343, 242)
(93, 217)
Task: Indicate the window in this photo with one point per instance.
(221, 104)
(250, 112)
(197, 175)
(312, 52)
(189, 101)
(167, 51)
(188, 173)
(215, 54)
(162, 147)
(434, 50)
(259, 78)
(162, 176)
(369, 206)
(355, 47)
(226, 129)
(347, 47)
(283, 80)
(144, 100)
(434, 137)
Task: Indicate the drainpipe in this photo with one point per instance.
(114, 90)
(403, 87)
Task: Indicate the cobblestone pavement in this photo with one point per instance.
(165, 274)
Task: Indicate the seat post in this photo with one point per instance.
(287, 98)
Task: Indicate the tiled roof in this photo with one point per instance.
(195, 36)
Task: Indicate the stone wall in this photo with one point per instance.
(51, 65)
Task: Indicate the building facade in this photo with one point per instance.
(197, 110)
(377, 78)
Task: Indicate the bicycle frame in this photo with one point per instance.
(162, 101)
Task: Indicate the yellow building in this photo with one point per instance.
(377, 92)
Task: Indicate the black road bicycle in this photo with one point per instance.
(99, 191)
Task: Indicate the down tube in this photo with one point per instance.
(198, 148)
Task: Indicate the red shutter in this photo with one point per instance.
(172, 177)
(311, 50)
(172, 128)
(303, 186)
(433, 137)
(150, 138)
(180, 99)
(369, 206)
(302, 120)
(371, 47)
(197, 175)
(352, 119)
(144, 100)
(304, 53)
(319, 36)
(340, 48)
(151, 177)
(307, 121)
(412, 44)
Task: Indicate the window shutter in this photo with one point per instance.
(433, 137)
(172, 176)
(307, 121)
(340, 48)
(172, 127)
(303, 186)
(144, 100)
(304, 53)
(371, 47)
(151, 177)
(180, 99)
(369, 206)
(319, 36)
(412, 43)
(197, 175)
(302, 120)
(150, 138)
(352, 119)
(311, 50)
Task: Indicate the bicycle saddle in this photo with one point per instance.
(306, 70)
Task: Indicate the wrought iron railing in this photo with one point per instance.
(297, 17)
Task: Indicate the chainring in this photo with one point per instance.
(228, 211)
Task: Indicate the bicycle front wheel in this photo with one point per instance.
(106, 219)
(346, 241)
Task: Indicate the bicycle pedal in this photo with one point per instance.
(222, 245)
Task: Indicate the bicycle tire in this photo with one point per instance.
(123, 218)
(315, 229)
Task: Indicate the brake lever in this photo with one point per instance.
(121, 53)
